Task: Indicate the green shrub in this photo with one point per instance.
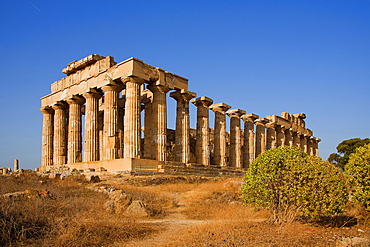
(290, 183)
(358, 172)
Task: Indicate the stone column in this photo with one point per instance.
(16, 165)
(159, 121)
(101, 131)
(316, 146)
(60, 133)
(235, 137)
(132, 126)
(75, 129)
(299, 142)
(289, 137)
(249, 139)
(182, 132)
(121, 114)
(202, 132)
(295, 139)
(280, 136)
(305, 144)
(91, 135)
(47, 136)
(110, 130)
(147, 99)
(270, 135)
(310, 145)
(219, 150)
(260, 135)
(120, 139)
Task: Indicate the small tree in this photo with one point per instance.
(358, 172)
(290, 183)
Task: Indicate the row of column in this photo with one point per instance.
(62, 124)
(258, 135)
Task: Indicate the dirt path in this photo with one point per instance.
(175, 222)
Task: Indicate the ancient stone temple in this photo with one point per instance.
(113, 116)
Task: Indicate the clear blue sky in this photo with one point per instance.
(262, 56)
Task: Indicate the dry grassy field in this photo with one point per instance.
(182, 211)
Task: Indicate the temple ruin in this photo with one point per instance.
(113, 116)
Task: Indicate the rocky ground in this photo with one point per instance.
(124, 210)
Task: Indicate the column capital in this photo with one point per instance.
(76, 99)
(132, 79)
(202, 101)
(261, 121)
(46, 110)
(270, 125)
(93, 93)
(220, 107)
(60, 105)
(158, 88)
(249, 117)
(183, 95)
(146, 96)
(235, 113)
(112, 87)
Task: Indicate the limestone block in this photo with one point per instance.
(92, 178)
(136, 209)
(82, 63)
(118, 201)
(55, 175)
(355, 241)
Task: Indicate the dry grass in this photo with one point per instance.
(73, 216)
(184, 211)
(245, 233)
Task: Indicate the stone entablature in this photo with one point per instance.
(98, 74)
(113, 96)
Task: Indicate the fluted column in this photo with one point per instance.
(147, 100)
(219, 149)
(289, 137)
(235, 137)
(110, 130)
(60, 133)
(310, 145)
(304, 143)
(249, 139)
(202, 132)
(280, 136)
(132, 126)
(296, 140)
(159, 121)
(260, 135)
(101, 132)
(182, 132)
(299, 140)
(270, 135)
(47, 135)
(75, 129)
(316, 146)
(91, 135)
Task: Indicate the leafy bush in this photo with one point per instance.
(358, 172)
(290, 183)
